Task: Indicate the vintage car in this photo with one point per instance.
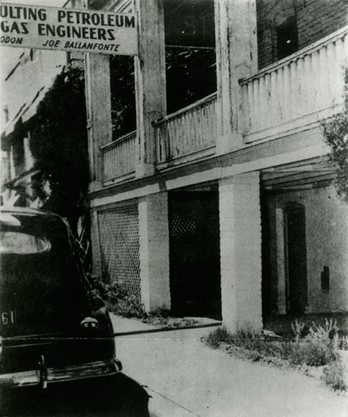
(53, 328)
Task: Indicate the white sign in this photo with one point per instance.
(68, 29)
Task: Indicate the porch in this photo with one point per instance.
(288, 97)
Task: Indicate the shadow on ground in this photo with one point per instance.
(116, 396)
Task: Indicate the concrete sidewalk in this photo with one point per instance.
(122, 325)
(186, 378)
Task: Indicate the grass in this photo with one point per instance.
(313, 347)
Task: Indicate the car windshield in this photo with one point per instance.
(39, 278)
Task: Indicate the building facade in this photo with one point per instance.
(219, 201)
(25, 85)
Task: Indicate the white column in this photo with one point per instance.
(154, 251)
(240, 243)
(236, 58)
(99, 124)
(150, 81)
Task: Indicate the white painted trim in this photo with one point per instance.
(214, 174)
(292, 126)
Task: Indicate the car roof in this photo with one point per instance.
(24, 210)
(28, 211)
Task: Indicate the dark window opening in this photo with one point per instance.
(18, 154)
(287, 38)
(122, 87)
(190, 51)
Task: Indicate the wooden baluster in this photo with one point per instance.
(250, 106)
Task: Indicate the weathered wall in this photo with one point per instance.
(315, 19)
(327, 245)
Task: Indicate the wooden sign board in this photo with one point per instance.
(63, 29)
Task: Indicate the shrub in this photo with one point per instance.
(218, 336)
(318, 348)
(119, 300)
(334, 376)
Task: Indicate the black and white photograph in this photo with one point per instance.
(174, 208)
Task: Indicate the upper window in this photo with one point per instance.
(287, 38)
(190, 51)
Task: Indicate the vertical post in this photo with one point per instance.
(96, 259)
(150, 81)
(236, 55)
(154, 251)
(99, 122)
(240, 246)
(281, 262)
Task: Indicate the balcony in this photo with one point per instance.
(291, 95)
(296, 92)
(118, 159)
(188, 134)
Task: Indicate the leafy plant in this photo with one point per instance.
(334, 376)
(119, 300)
(318, 347)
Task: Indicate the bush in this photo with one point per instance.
(334, 376)
(317, 348)
(312, 346)
(217, 337)
(119, 300)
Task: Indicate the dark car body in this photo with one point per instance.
(53, 328)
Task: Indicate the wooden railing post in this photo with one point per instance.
(236, 55)
(150, 82)
(99, 122)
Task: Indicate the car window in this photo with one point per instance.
(22, 243)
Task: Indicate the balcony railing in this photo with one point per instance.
(188, 131)
(118, 157)
(297, 91)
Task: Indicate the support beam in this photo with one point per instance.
(236, 56)
(240, 246)
(154, 251)
(150, 81)
(99, 121)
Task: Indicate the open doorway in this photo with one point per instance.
(195, 253)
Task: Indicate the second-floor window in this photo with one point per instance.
(190, 51)
(287, 38)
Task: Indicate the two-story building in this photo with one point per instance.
(218, 200)
(29, 77)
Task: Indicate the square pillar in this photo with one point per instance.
(240, 251)
(150, 78)
(154, 251)
(98, 98)
(236, 58)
